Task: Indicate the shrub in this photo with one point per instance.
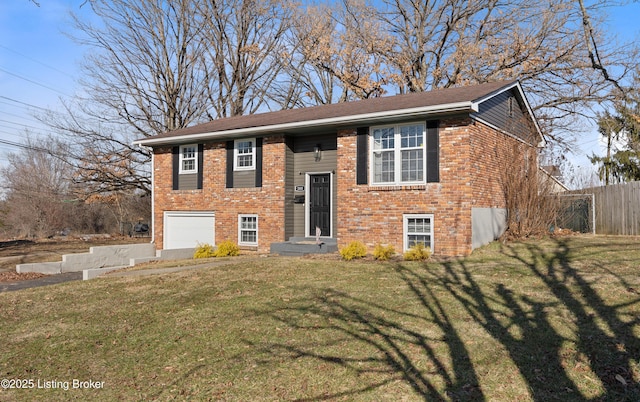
(355, 249)
(227, 248)
(204, 250)
(418, 252)
(383, 253)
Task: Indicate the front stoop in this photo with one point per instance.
(299, 246)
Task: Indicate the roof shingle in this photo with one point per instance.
(337, 110)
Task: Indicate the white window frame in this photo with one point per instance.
(405, 229)
(397, 150)
(237, 154)
(241, 230)
(183, 159)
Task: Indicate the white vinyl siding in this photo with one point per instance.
(248, 230)
(418, 228)
(398, 154)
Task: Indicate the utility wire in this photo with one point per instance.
(23, 146)
(37, 61)
(33, 82)
(14, 133)
(20, 124)
(24, 103)
(21, 116)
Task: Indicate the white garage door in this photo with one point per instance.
(185, 229)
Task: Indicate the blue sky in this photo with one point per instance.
(39, 63)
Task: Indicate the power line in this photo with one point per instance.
(23, 146)
(33, 82)
(24, 103)
(20, 104)
(20, 124)
(37, 61)
(10, 133)
(20, 116)
(18, 134)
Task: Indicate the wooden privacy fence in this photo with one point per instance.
(617, 208)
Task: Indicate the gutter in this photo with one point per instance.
(284, 127)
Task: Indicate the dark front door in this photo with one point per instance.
(320, 204)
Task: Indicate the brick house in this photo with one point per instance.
(421, 167)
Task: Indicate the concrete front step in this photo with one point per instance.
(299, 246)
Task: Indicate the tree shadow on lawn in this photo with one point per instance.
(427, 348)
(604, 333)
(387, 350)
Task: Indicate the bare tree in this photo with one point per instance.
(558, 49)
(37, 189)
(156, 66)
(302, 82)
(245, 44)
(340, 47)
(145, 64)
(142, 77)
(100, 152)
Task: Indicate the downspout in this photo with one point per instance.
(153, 199)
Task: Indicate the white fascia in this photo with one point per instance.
(466, 106)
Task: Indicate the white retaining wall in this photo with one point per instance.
(97, 257)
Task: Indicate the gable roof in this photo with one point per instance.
(347, 114)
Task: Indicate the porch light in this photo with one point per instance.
(317, 152)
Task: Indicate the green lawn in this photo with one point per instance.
(556, 319)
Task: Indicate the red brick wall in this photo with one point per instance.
(375, 214)
(267, 202)
(492, 152)
(471, 156)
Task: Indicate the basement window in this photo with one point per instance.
(418, 229)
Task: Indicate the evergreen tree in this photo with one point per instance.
(622, 132)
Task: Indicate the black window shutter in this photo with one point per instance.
(200, 165)
(433, 154)
(175, 165)
(362, 154)
(229, 164)
(258, 162)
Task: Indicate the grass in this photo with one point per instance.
(556, 319)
